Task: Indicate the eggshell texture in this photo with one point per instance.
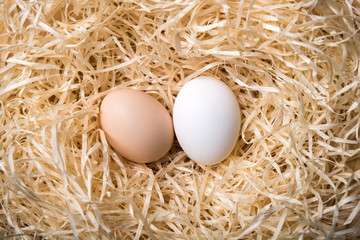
(206, 120)
(136, 125)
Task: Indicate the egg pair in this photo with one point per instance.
(206, 120)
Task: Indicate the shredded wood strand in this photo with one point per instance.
(293, 65)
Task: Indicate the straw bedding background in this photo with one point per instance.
(293, 65)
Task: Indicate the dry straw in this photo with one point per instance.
(293, 65)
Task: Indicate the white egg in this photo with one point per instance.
(206, 120)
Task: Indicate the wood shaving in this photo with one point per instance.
(293, 65)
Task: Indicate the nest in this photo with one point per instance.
(293, 65)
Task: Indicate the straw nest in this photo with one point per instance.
(293, 65)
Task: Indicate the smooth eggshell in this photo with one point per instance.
(136, 125)
(206, 120)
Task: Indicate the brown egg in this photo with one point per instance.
(136, 125)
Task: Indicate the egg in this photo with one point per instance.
(206, 120)
(136, 125)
